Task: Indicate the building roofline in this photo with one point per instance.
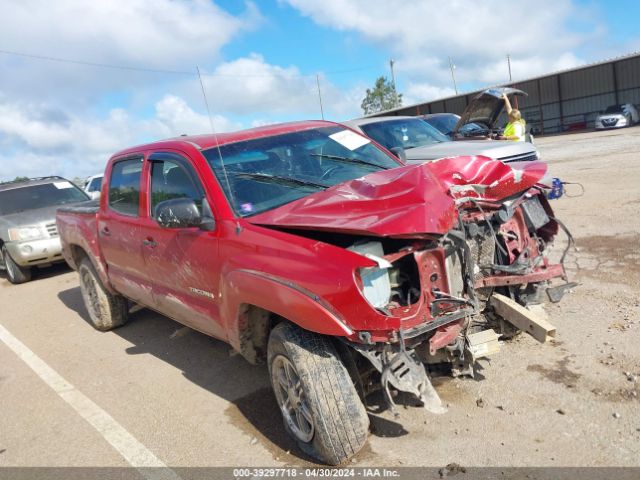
(506, 84)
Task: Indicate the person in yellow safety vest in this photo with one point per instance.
(515, 129)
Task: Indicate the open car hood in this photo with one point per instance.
(485, 107)
(405, 201)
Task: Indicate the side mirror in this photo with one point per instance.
(178, 213)
(400, 153)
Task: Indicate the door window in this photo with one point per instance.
(124, 187)
(173, 179)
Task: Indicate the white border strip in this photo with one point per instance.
(134, 452)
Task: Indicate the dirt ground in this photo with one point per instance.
(571, 402)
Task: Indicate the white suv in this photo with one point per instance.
(93, 186)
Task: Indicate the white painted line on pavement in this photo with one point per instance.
(134, 452)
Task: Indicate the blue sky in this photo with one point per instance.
(259, 61)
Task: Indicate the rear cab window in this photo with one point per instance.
(124, 186)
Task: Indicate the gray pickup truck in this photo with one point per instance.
(28, 231)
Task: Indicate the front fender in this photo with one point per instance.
(280, 297)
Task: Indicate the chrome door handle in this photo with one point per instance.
(149, 242)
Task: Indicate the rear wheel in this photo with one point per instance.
(15, 273)
(320, 406)
(105, 309)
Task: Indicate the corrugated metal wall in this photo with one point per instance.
(560, 102)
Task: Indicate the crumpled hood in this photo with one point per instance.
(405, 201)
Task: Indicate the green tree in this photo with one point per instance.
(21, 179)
(383, 97)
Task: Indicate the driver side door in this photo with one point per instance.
(182, 263)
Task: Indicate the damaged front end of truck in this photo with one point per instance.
(481, 282)
(450, 275)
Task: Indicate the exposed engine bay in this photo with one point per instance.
(470, 287)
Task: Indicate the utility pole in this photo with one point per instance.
(393, 82)
(320, 95)
(509, 65)
(453, 76)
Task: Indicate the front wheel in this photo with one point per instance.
(320, 406)
(15, 273)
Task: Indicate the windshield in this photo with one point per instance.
(405, 133)
(33, 197)
(95, 185)
(614, 109)
(444, 123)
(264, 173)
(447, 124)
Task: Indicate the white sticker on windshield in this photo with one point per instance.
(61, 185)
(349, 139)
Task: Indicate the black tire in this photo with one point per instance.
(327, 398)
(15, 273)
(105, 309)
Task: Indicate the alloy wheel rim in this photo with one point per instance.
(292, 399)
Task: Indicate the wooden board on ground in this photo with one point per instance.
(524, 319)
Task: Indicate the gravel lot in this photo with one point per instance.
(572, 402)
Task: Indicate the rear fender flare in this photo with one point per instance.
(277, 296)
(77, 252)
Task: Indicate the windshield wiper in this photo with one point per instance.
(348, 160)
(282, 180)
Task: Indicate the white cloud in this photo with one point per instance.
(259, 92)
(155, 34)
(175, 117)
(417, 92)
(78, 146)
(61, 117)
(478, 36)
(249, 84)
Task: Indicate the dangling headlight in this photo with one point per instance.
(375, 284)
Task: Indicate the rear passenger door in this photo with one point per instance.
(119, 230)
(182, 263)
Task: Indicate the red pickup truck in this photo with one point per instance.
(310, 247)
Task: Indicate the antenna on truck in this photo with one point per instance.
(215, 135)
